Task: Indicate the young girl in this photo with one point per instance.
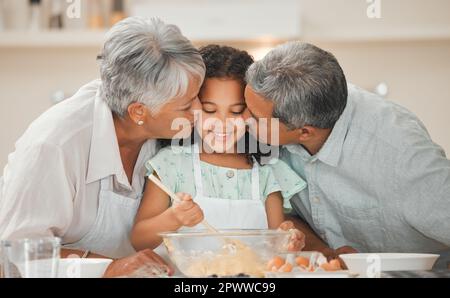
(231, 190)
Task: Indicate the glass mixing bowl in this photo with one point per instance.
(231, 253)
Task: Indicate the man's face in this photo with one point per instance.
(267, 130)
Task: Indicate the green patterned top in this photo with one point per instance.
(175, 169)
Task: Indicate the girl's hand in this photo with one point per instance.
(297, 240)
(186, 211)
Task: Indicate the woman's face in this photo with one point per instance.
(222, 106)
(175, 119)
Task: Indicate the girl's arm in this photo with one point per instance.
(274, 210)
(154, 216)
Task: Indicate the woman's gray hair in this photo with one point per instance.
(306, 84)
(145, 60)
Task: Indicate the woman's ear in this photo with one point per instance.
(137, 112)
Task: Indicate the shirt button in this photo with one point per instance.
(316, 200)
(230, 174)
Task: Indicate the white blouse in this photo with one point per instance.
(51, 183)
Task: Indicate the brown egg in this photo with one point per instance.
(276, 263)
(335, 264)
(326, 267)
(331, 266)
(286, 267)
(301, 261)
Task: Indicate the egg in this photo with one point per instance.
(336, 264)
(286, 267)
(301, 261)
(276, 263)
(326, 267)
(331, 266)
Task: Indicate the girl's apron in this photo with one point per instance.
(242, 213)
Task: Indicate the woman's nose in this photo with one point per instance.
(246, 114)
(195, 106)
(195, 111)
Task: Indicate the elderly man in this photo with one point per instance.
(78, 171)
(376, 181)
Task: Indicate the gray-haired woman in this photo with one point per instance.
(77, 172)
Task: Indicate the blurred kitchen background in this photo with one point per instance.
(397, 48)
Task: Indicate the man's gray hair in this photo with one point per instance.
(306, 84)
(145, 60)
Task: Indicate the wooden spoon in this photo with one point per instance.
(230, 244)
(177, 199)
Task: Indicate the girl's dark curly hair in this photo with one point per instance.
(224, 62)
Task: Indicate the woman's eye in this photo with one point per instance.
(237, 112)
(208, 111)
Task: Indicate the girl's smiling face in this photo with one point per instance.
(222, 123)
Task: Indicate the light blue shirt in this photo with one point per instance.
(379, 183)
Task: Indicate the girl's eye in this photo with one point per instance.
(208, 111)
(237, 112)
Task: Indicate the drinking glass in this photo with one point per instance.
(30, 258)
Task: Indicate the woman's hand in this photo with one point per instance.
(186, 211)
(145, 263)
(297, 240)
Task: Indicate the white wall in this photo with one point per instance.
(399, 19)
(28, 78)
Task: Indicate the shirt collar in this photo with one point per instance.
(300, 151)
(104, 156)
(331, 151)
